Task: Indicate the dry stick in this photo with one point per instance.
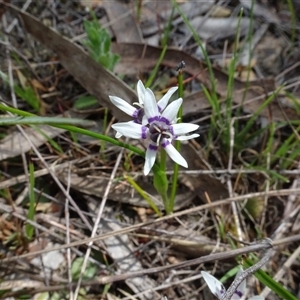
(229, 184)
(246, 273)
(165, 286)
(208, 258)
(158, 220)
(97, 221)
(67, 217)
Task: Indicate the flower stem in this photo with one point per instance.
(177, 145)
(161, 184)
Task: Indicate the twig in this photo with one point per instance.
(229, 184)
(67, 216)
(246, 273)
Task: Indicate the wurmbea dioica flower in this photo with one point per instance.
(218, 289)
(137, 113)
(158, 126)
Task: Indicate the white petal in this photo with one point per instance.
(150, 106)
(173, 153)
(118, 135)
(163, 102)
(140, 91)
(187, 137)
(123, 105)
(183, 128)
(171, 111)
(131, 129)
(150, 158)
(257, 298)
(215, 286)
(144, 120)
(236, 296)
(242, 287)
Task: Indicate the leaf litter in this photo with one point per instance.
(178, 239)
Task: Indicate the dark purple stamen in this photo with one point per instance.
(159, 131)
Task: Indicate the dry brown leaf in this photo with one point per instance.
(121, 18)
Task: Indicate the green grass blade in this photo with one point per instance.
(28, 120)
(155, 70)
(270, 282)
(31, 211)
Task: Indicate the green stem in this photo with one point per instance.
(164, 194)
(163, 160)
(155, 70)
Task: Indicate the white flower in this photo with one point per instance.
(158, 128)
(218, 289)
(138, 114)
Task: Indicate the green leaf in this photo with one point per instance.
(85, 102)
(89, 272)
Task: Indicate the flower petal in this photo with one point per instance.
(215, 286)
(186, 137)
(118, 135)
(171, 111)
(238, 294)
(123, 105)
(150, 106)
(163, 102)
(140, 88)
(173, 153)
(257, 298)
(150, 158)
(183, 128)
(131, 129)
(144, 120)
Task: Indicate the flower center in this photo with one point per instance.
(159, 131)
